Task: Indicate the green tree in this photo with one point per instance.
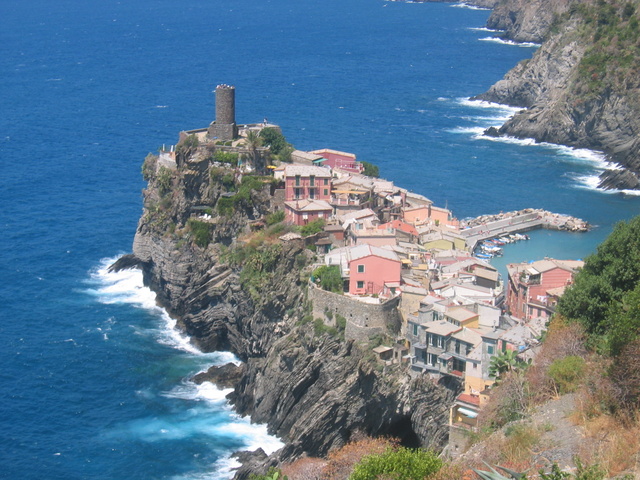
(600, 298)
(371, 170)
(329, 277)
(273, 138)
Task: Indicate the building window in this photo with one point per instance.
(490, 349)
(326, 181)
(360, 268)
(360, 284)
(297, 180)
(312, 181)
(432, 340)
(296, 192)
(415, 329)
(433, 359)
(312, 193)
(326, 192)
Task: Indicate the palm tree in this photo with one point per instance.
(252, 142)
(503, 362)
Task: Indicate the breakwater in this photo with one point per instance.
(484, 227)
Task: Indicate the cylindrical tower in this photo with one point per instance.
(225, 105)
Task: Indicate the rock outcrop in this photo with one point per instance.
(231, 288)
(581, 86)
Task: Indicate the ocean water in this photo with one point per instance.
(95, 380)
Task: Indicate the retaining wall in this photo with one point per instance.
(363, 319)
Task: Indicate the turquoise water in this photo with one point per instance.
(95, 380)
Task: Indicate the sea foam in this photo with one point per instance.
(205, 410)
(509, 42)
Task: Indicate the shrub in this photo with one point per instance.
(312, 228)
(275, 217)
(164, 181)
(226, 157)
(399, 464)
(319, 328)
(149, 166)
(566, 373)
(341, 461)
(371, 170)
(201, 232)
(330, 278)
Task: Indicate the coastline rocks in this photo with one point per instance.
(125, 262)
(559, 104)
(223, 376)
(618, 180)
(314, 390)
(526, 20)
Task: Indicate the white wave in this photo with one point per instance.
(505, 110)
(509, 42)
(470, 7)
(125, 286)
(592, 182)
(256, 434)
(207, 391)
(206, 411)
(485, 29)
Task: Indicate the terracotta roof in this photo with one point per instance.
(466, 398)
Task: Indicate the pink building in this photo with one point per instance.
(532, 288)
(307, 189)
(373, 270)
(338, 160)
(307, 182)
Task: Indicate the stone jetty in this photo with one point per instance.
(481, 228)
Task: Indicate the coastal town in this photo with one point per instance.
(409, 271)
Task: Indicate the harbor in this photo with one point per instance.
(487, 227)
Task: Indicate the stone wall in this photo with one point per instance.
(363, 319)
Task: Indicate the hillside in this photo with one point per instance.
(581, 86)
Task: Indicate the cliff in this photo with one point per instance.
(232, 285)
(581, 86)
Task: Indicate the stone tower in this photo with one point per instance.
(224, 127)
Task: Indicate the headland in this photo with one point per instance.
(357, 307)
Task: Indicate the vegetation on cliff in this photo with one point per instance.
(612, 33)
(581, 86)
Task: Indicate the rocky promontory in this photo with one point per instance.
(233, 285)
(581, 86)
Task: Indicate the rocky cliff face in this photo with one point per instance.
(243, 291)
(581, 87)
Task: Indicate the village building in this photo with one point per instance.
(307, 189)
(342, 162)
(533, 288)
(368, 270)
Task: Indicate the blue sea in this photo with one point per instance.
(95, 379)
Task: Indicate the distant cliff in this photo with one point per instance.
(581, 88)
(207, 247)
